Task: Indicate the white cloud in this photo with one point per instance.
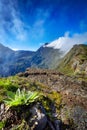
(18, 29)
(14, 30)
(15, 49)
(18, 25)
(66, 42)
(37, 30)
(10, 23)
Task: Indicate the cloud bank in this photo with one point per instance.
(66, 42)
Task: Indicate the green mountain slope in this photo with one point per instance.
(75, 62)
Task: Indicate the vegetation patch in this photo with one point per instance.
(20, 98)
(2, 124)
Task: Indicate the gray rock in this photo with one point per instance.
(2, 110)
(38, 119)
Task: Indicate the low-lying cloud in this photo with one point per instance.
(66, 42)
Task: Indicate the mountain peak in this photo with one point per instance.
(66, 42)
(56, 44)
(2, 47)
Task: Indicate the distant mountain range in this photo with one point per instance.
(48, 56)
(12, 62)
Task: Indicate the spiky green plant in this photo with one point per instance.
(20, 98)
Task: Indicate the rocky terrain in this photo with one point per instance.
(73, 91)
(57, 81)
(63, 107)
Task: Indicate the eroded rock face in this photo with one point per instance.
(75, 118)
(79, 67)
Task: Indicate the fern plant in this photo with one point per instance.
(20, 98)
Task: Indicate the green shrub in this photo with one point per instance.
(20, 98)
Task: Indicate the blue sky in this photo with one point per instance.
(27, 24)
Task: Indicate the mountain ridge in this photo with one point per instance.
(75, 61)
(12, 62)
